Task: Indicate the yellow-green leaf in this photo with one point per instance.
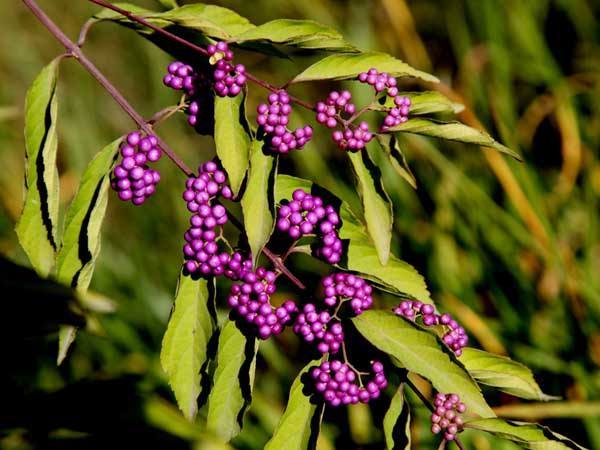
(340, 67)
(258, 202)
(233, 138)
(185, 344)
(376, 203)
(36, 229)
(231, 393)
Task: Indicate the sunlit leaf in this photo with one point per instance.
(422, 352)
(258, 202)
(528, 435)
(185, 343)
(376, 203)
(231, 393)
(452, 131)
(396, 423)
(299, 427)
(36, 229)
(502, 373)
(233, 138)
(340, 67)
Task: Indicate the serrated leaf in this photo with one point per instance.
(528, 435)
(423, 353)
(342, 67)
(36, 228)
(396, 423)
(376, 203)
(81, 239)
(108, 14)
(298, 428)
(231, 393)
(452, 131)
(185, 343)
(258, 201)
(502, 373)
(212, 20)
(304, 34)
(397, 277)
(233, 138)
(427, 102)
(396, 157)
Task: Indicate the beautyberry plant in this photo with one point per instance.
(355, 348)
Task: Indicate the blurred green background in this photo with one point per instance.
(512, 249)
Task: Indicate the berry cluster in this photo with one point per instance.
(132, 179)
(196, 87)
(446, 416)
(229, 80)
(343, 287)
(181, 77)
(330, 113)
(318, 327)
(201, 250)
(381, 81)
(274, 118)
(337, 383)
(455, 337)
(301, 215)
(251, 302)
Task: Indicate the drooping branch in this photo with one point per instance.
(75, 51)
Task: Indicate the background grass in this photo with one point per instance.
(512, 249)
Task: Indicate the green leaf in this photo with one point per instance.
(211, 20)
(169, 3)
(258, 202)
(214, 21)
(397, 277)
(304, 34)
(395, 155)
(528, 435)
(538, 411)
(502, 373)
(453, 131)
(376, 203)
(232, 382)
(36, 229)
(424, 353)
(299, 427)
(342, 67)
(396, 423)
(81, 238)
(185, 343)
(232, 138)
(427, 102)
